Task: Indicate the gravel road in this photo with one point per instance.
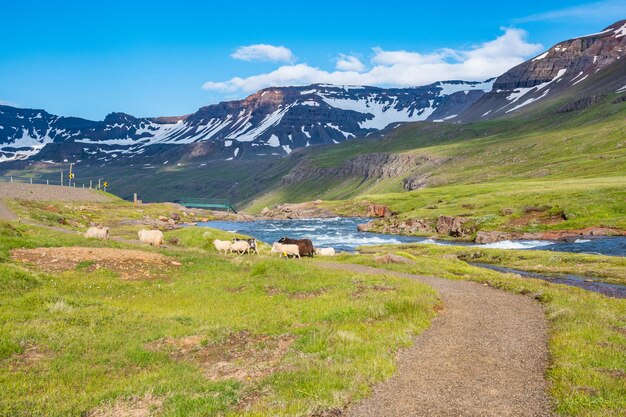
(44, 192)
(48, 192)
(485, 354)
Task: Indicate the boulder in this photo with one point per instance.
(162, 218)
(175, 216)
(415, 183)
(390, 258)
(365, 227)
(453, 226)
(266, 211)
(492, 237)
(377, 210)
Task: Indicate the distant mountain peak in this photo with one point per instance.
(272, 121)
(555, 71)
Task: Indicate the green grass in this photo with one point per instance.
(587, 330)
(91, 333)
(611, 269)
(122, 217)
(584, 202)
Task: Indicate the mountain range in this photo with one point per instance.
(277, 120)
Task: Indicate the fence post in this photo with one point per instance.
(47, 182)
(31, 180)
(83, 185)
(61, 178)
(11, 179)
(90, 184)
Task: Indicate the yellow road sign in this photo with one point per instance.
(105, 184)
(71, 176)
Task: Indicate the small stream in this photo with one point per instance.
(610, 290)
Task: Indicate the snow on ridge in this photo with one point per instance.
(273, 141)
(522, 91)
(542, 56)
(527, 102)
(270, 120)
(383, 111)
(617, 33)
(445, 118)
(448, 88)
(346, 135)
(596, 34)
(621, 31)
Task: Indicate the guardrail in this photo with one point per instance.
(206, 203)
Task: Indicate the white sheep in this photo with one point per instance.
(286, 250)
(240, 246)
(325, 252)
(97, 233)
(152, 237)
(222, 246)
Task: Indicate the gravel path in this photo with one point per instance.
(485, 355)
(5, 213)
(49, 192)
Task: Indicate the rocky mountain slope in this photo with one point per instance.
(561, 69)
(273, 121)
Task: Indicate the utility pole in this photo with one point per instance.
(70, 176)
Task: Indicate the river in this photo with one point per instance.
(341, 234)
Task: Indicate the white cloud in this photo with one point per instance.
(263, 52)
(400, 68)
(349, 63)
(597, 11)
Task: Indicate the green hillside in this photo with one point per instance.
(547, 145)
(572, 162)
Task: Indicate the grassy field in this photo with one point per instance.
(254, 335)
(501, 205)
(214, 335)
(587, 330)
(119, 215)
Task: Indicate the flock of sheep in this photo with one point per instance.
(285, 246)
(240, 246)
(151, 237)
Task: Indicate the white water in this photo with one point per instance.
(341, 233)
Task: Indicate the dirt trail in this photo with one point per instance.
(485, 355)
(5, 213)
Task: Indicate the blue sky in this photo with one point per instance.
(154, 58)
